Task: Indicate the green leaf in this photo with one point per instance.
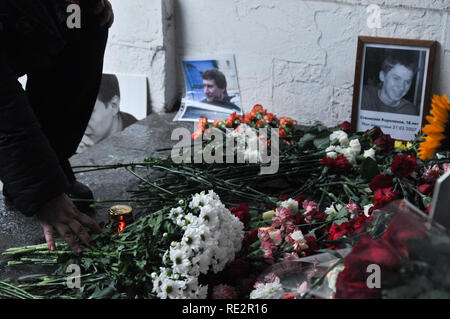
(341, 220)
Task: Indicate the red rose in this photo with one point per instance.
(426, 189)
(242, 212)
(403, 226)
(346, 126)
(381, 181)
(283, 197)
(352, 281)
(384, 142)
(238, 269)
(384, 196)
(374, 133)
(404, 165)
(348, 289)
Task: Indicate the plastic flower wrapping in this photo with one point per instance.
(400, 255)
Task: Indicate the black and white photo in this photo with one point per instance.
(392, 83)
(121, 102)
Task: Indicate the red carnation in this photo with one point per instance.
(337, 231)
(384, 196)
(300, 198)
(312, 243)
(361, 223)
(242, 212)
(426, 189)
(338, 165)
(381, 181)
(404, 165)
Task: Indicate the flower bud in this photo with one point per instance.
(268, 215)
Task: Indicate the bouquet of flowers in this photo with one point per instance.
(212, 236)
(326, 196)
(161, 255)
(408, 260)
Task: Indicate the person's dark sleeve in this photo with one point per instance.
(28, 165)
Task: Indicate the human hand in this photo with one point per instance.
(103, 9)
(60, 213)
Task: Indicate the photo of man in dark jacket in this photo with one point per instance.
(41, 126)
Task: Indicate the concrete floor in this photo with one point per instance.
(134, 144)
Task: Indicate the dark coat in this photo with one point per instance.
(30, 37)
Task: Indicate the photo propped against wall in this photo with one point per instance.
(212, 89)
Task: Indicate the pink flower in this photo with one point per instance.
(297, 240)
(446, 167)
(270, 278)
(283, 219)
(311, 209)
(223, 292)
(270, 239)
(354, 210)
(302, 288)
(431, 174)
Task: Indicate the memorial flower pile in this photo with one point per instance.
(411, 258)
(325, 195)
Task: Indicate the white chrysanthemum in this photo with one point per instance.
(180, 260)
(292, 204)
(271, 290)
(341, 136)
(176, 214)
(370, 153)
(210, 241)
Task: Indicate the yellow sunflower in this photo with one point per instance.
(436, 128)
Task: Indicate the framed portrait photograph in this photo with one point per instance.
(212, 89)
(392, 85)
